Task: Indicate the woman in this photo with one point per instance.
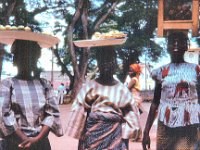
(175, 99)
(29, 109)
(112, 116)
(134, 84)
(134, 87)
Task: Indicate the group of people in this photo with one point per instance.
(105, 113)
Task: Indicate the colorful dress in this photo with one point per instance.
(28, 105)
(135, 90)
(179, 108)
(112, 117)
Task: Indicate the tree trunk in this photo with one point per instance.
(84, 60)
(77, 80)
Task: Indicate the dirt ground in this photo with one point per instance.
(68, 143)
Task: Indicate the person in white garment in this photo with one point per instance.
(61, 92)
(176, 100)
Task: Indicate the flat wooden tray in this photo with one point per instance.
(100, 42)
(44, 40)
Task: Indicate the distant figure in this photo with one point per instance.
(133, 85)
(61, 91)
(67, 89)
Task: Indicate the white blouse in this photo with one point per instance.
(179, 99)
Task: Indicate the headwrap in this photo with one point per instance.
(136, 68)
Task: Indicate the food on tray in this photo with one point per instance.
(8, 27)
(13, 28)
(27, 28)
(96, 35)
(109, 35)
(21, 27)
(47, 33)
(2, 27)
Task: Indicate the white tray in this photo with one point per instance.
(44, 40)
(100, 42)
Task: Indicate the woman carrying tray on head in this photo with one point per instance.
(29, 107)
(176, 100)
(103, 115)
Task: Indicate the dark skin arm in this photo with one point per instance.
(131, 84)
(29, 141)
(20, 134)
(151, 116)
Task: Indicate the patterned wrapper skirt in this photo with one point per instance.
(2, 144)
(11, 143)
(103, 131)
(179, 138)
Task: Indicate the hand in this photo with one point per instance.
(28, 142)
(146, 141)
(91, 96)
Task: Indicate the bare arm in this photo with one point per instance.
(151, 116)
(20, 134)
(131, 84)
(29, 141)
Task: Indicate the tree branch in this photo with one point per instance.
(84, 18)
(95, 11)
(55, 51)
(70, 36)
(9, 11)
(103, 18)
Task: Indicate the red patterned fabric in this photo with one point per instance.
(179, 96)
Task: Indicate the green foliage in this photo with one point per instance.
(137, 18)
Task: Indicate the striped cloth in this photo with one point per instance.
(115, 99)
(28, 105)
(103, 131)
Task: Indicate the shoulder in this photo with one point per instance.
(160, 72)
(45, 82)
(195, 67)
(161, 68)
(7, 82)
(122, 87)
(88, 82)
(134, 79)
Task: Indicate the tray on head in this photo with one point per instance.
(44, 40)
(99, 42)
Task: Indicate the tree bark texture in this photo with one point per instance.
(77, 80)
